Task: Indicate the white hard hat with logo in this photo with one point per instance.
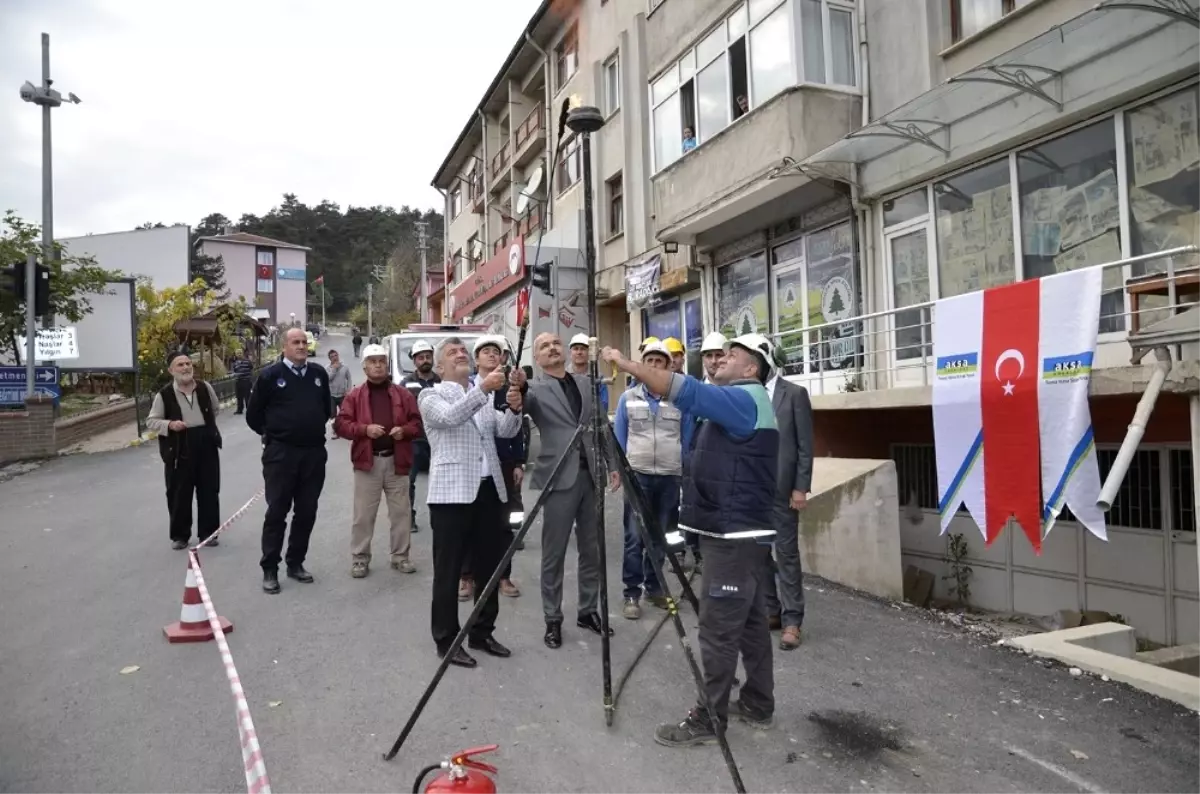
(658, 349)
(715, 342)
(420, 346)
(580, 339)
(495, 340)
(371, 351)
(762, 348)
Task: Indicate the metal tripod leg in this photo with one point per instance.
(491, 585)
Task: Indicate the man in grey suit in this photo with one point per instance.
(793, 414)
(557, 401)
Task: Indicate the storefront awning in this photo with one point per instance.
(1096, 58)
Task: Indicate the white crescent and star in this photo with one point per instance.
(1014, 355)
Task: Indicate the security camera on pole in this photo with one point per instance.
(47, 98)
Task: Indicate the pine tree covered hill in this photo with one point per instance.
(346, 245)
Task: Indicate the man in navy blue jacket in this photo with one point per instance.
(728, 493)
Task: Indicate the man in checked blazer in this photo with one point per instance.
(466, 495)
(793, 414)
(557, 401)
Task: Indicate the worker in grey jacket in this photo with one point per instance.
(339, 381)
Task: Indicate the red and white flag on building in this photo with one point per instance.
(1012, 427)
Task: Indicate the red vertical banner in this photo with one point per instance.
(522, 306)
(1008, 393)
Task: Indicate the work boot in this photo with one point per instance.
(632, 609)
(403, 566)
(659, 601)
(790, 639)
(508, 589)
(298, 573)
(696, 729)
(359, 569)
(271, 581)
(755, 719)
(464, 589)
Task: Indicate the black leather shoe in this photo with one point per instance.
(212, 543)
(490, 646)
(271, 582)
(591, 622)
(460, 658)
(553, 636)
(179, 545)
(298, 573)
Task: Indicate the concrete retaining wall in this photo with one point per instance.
(73, 430)
(850, 530)
(28, 434)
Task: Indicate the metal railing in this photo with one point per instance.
(530, 126)
(500, 159)
(894, 348)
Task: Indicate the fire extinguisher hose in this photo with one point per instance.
(421, 776)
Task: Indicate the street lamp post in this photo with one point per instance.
(48, 99)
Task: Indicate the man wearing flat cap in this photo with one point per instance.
(184, 415)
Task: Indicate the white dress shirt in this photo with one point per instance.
(771, 386)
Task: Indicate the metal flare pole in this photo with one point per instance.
(585, 121)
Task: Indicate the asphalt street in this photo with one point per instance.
(879, 696)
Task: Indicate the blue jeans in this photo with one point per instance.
(638, 567)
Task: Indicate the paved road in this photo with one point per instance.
(879, 698)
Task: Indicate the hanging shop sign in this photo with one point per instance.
(491, 279)
(642, 282)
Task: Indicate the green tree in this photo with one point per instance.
(836, 306)
(159, 310)
(747, 328)
(72, 280)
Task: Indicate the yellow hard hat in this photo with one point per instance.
(673, 345)
(648, 341)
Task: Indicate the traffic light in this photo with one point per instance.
(12, 280)
(540, 277)
(41, 291)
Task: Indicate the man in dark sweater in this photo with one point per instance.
(289, 408)
(243, 370)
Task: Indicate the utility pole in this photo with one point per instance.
(423, 247)
(370, 309)
(48, 99)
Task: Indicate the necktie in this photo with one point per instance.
(297, 371)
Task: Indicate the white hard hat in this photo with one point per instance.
(657, 348)
(714, 342)
(581, 339)
(495, 340)
(761, 347)
(420, 346)
(374, 350)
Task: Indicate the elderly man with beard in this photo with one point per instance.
(184, 416)
(424, 377)
(466, 491)
(557, 401)
(381, 421)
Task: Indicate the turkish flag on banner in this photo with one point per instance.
(522, 306)
(1008, 387)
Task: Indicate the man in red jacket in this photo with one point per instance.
(381, 420)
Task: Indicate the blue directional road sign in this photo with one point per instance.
(13, 384)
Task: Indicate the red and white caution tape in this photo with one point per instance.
(255, 767)
(229, 521)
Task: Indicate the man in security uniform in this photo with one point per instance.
(184, 415)
(653, 434)
(422, 378)
(729, 490)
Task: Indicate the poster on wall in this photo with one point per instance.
(791, 299)
(742, 305)
(832, 298)
(642, 282)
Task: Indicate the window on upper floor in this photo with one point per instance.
(460, 265)
(612, 85)
(614, 187)
(569, 166)
(456, 203)
(566, 58)
(744, 61)
(968, 17)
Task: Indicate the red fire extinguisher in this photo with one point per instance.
(462, 775)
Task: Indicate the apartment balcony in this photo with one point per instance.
(503, 241)
(475, 190)
(727, 175)
(532, 222)
(529, 139)
(500, 169)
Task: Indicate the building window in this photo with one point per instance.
(460, 266)
(265, 286)
(612, 85)
(474, 252)
(916, 475)
(1183, 498)
(1162, 156)
(456, 204)
(1070, 214)
(908, 254)
(566, 58)
(974, 230)
(742, 306)
(569, 168)
(968, 17)
(744, 61)
(616, 205)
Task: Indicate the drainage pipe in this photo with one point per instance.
(1137, 428)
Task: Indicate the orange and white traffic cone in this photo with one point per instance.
(193, 625)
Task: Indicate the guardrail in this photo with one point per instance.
(529, 127)
(894, 348)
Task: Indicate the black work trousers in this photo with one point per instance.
(294, 477)
(733, 620)
(513, 505)
(478, 529)
(194, 472)
(242, 390)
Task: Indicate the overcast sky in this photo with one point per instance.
(198, 106)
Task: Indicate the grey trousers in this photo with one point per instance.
(787, 598)
(733, 620)
(573, 506)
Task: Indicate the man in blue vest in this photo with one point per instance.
(728, 493)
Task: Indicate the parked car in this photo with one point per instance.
(312, 343)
